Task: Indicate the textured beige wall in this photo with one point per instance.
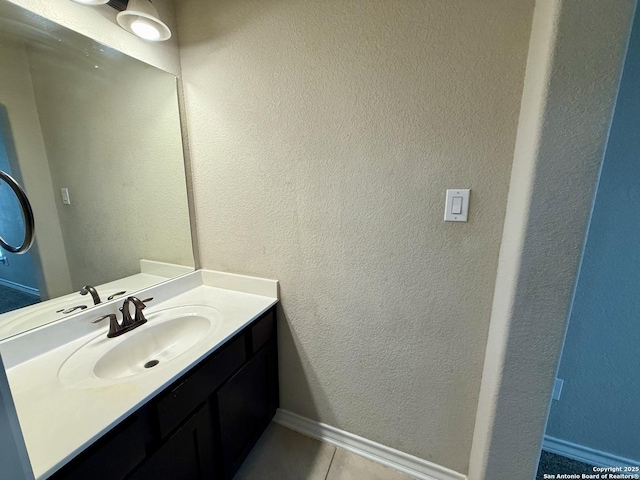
(323, 136)
(99, 23)
(113, 139)
(16, 94)
(573, 71)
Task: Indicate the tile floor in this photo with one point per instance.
(282, 454)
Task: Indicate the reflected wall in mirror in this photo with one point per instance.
(79, 116)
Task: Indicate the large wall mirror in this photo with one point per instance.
(94, 138)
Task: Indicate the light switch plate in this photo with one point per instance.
(65, 196)
(457, 201)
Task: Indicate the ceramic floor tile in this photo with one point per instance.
(282, 454)
(348, 466)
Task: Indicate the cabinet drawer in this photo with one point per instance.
(114, 458)
(262, 331)
(176, 406)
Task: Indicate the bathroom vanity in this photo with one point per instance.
(88, 407)
(203, 425)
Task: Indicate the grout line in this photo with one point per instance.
(335, 449)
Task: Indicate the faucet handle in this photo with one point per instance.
(103, 317)
(114, 326)
(117, 294)
(140, 304)
(71, 309)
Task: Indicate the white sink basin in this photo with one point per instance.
(148, 348)
(168, 336)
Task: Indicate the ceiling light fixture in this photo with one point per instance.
(141, 18)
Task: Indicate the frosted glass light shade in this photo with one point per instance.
(141, 18)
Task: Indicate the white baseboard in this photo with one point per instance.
(18, 286)
(387, 456)
(585, 454)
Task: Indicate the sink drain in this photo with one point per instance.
(152, 363)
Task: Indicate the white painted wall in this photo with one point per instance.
(323, 136)
(573, 70)
(16, 94)
(99, 23)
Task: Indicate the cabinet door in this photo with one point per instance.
(187, 454)
(174, 407)
(245, 406)
(111, 458)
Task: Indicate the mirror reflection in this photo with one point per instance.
(94, 138)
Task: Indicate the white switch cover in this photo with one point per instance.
(65, 196)
(457, 205)
(557, 389)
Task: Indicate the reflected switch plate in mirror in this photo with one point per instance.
(65, 196)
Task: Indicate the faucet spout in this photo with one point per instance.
(139, 317)
(94, 293)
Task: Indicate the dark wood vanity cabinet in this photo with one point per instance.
(201, 427)
(245, 405)
(186, 454)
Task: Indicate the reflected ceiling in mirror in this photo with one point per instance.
(94, 138)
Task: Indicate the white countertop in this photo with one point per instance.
(59, 421)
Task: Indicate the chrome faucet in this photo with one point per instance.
(127, 324)
(94, 293)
